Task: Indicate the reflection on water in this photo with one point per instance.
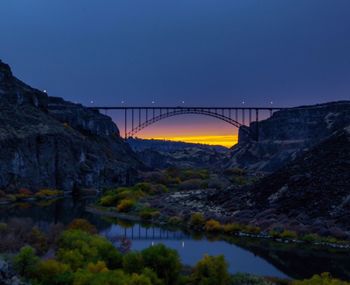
(256, 256)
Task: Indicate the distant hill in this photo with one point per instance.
(165, 145)
(162, 154)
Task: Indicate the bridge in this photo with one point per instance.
(138, 118)
(137, 232)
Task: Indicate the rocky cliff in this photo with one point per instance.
(287, 134)
(312, 192)
(48, 142)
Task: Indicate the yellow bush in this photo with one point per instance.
(175, 220)
(49, 269)
(252, 229)
(286, 234)
(83, 225)
(43, 193)
(125, 205)
(232, 228)
(197, 220)
(100, 266)
(213, 226)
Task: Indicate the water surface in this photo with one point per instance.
(255, 256)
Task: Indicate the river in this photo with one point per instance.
(256, 256)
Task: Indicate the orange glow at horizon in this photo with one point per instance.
(224, 140)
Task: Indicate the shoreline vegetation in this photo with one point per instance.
(26, 195)
(78, 255)
(131, 203)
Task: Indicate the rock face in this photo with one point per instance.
(163, 154)
(8, 276)
(48, 142)
(312, 192)
(288, 133)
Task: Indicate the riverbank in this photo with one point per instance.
(198, 224)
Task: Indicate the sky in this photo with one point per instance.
(202, 52)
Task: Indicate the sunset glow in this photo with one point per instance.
(224, 140)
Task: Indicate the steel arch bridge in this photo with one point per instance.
(138, 118)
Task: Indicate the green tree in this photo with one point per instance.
(78, 248)
(137, 279)
(210, 270)
(133, 262)
(164, 261)
(25, 262)
(54, 273)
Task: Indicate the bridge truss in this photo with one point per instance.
(138, 118)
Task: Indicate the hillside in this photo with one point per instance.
(163, 154)
(287, 134)
(48, 142)
(310, 193)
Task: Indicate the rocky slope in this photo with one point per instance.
(286, 134)
(48, 142)
(309, 194)
(163, 154)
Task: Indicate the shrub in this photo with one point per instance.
(239, 180)
(108, 200)
(310, 238)
(164, 261)
(213, 226)
(240, 278)
(152, 276)
(274, 234)
(137, 279)
(197, 220)
(125, 205)
(149, 213)
(2, 194)
(235, 171)
(25, 192)
(286, 234)
(144, 187)
(110, 277)
(232, 228)
(323, 279)
(38, 240)
(47, 193)
(133, 262)
(3, 227)
(100, 266)
(175, 220)
(145, 215)
(211, 270)
(53, 272)
(83, 225)
(78, 248)
(252, 229)
(25, 262)
(188, 174)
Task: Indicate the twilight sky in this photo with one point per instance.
(205, 52)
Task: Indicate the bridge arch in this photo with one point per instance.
(142, 117)
(182, 111)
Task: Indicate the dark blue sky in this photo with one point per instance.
(206, 52)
